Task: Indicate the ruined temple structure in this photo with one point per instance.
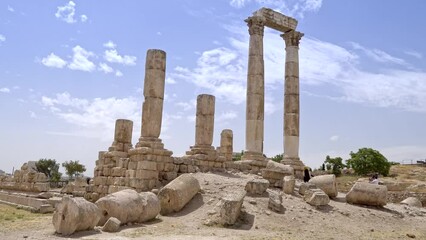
(26, 179)
(256, 88)
(149, 165)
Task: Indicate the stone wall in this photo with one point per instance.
(26, 179)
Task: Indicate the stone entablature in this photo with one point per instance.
(276, 20)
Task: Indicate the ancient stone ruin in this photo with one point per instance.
(26, 179)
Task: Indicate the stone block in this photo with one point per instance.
(275, 202)
(112, 225)
(147, 165)
(412, 201)
(288, 184)
(146, 174)
(305, 186)
(230, 207)
(316, 197)
(367, 194)
(257, 186)
(327, 183)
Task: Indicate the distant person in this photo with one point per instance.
(307, 176)
(375, 179)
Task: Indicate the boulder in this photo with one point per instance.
(175, 195)
(367, 194)
(412, 201)
(275, 202)
(305, 186)
(288, 184)
(151, 205)
(316, 197)
(75, 214)
(230, 207)
(257, 186)
(112, 225)
(126, 205)
(327, 183)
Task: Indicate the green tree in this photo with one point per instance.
(277, 158)
(50, 168)
(237, 156)
(73, 168)
(368, 160)
(335, 164)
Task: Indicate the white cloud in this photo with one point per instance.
(334, 138)
(10, 9)
(66, 12)
(170, 80)
(103, 67)
(93, 117)
(414, 54)
(83, 18)
(110, 44)
(113, 57)
(118, 73)
(53, 61)
(187, 105)
(2, 38)
(379, 55)
(80, 60)
(226, 116)
(4, 90)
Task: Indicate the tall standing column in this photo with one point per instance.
(291, 101)
(152, 108)
(204, 125)
(255, 90)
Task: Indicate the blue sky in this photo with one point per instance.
(68, 69)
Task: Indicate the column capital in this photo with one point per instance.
(292, 38)
(256, 25)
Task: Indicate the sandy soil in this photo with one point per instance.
(338, 220)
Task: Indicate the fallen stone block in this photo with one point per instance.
(46, 208)
(75, 214)
(367, 194)
(316, 197)
(305, 186)
(229, 207)
(257, 186)
(45, 195)
(126, 205)
(327, 183)
(151, 205)
(412, 201)
(175, 195)
(112, 225)
(275, 202)
(288, 184)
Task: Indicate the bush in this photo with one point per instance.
(367, 161)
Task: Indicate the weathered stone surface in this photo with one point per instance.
(275, 202)
(112, 225)
(230, 207)
(75, 214)
(226, 144)
(126, 205)
(305, 186)
(276, 20)
(316, 197)
(412, 201)
(175, 195)
(288, 184)
(367, 194)
(327, 183)
(151, 205)
(204, 123)
(257, 186)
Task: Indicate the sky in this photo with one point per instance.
(69, 69)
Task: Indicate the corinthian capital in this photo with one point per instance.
(292, 38)
(256, 25)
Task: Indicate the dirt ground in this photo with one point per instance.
(338, 220)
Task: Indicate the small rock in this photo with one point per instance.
(252, 201)
(112, 225)
(410, 235)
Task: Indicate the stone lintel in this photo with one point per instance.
(276, 20)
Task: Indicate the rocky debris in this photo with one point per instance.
(112, 225)
(45, 195)
(151, 205)
(316, 197)
(412, 201)
(275, 172)
(327, 183)
(305, 186)
(175, 195)
(288, 184)
(275, 202)
(126, 205)
(367, 194)
(257, 186)
(75, 214)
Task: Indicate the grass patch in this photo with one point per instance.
(15, 219)
(345, 182)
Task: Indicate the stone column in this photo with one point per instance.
(204, 125)
(255, 90)
(226, 144)
(152, 108)
(291, 101)
(122, 135)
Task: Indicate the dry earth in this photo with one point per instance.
(339, 220)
